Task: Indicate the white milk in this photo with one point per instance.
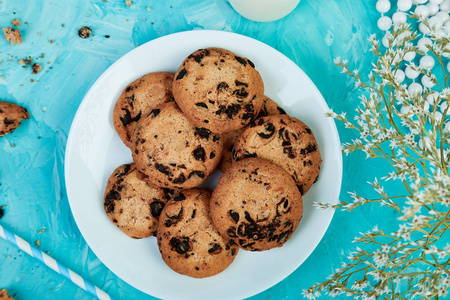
(264, 10)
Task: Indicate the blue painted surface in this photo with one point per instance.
(32, 190)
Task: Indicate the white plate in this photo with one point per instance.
(94, 150)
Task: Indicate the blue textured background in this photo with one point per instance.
(32, 189)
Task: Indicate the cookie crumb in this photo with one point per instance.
(2, 212)
(149, 8)
(36, 68)
(128, 3)
(16, 22)
(84, 32)
(4, 295)
(43, 228)
(12, 35)
(38, 243)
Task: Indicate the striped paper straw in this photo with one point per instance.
(53, 264)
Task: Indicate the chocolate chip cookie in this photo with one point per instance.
(256, 204)
(138, 99)
(171, 152)
(132, 204)
(10, 117)
(270, 107)
(218, 89)
(188, 242)
(286, 141)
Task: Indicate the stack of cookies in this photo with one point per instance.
(212, 113)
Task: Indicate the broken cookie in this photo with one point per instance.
(10, 117)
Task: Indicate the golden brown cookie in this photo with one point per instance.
(256, 204)
(10, 117)
(286, 141)
(171, 152)
(270, 107)
(188, 242)
(218, 90)
(138, 99)
(132, 204)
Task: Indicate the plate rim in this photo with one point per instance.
(321, 101)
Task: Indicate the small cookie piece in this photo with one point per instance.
(4, 295)
(270, 107)
(218, 90)
(10, 117)
(257, 204)
(188, 242)
(138, 99)
(286, 141)
(132, 204)
(171, 151)
(12, 35)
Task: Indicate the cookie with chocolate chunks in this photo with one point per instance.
(218, 89)
(286, 141)
(256, 204)
(138, 99)
(171, 152)
(270, 107)
(11, 115)
(132, 204)
(188, 241)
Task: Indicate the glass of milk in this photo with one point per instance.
(264, 10)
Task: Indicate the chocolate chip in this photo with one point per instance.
(241, 60)
(290, 152)
(239, 83)
(168, 193)
(247, 116)
(163, 169)
(212, 155)
(241, 93)
(281, 111)
(200, 55)
(84, 32)
(232, 110)
(249, 107)
(180, 197)
(308, 130)
(234, 215)
(193, 213)
(215, 249)
(317, 178)
(251, 63)
(154, 112)
(199, 153)
(181, 74)
(222, 86)
(201, 104)
(216, 138)
(2, 212)
(129, 88)
(126, 119)
(196, 173)
(300, 188)
(270, 129)
(248, 217)
(109, 200)
(202, 132)
(310, 148)
(179, 245)
(156, 208)
(231, 232)
(179, 179)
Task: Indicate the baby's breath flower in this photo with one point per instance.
(411, 130)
